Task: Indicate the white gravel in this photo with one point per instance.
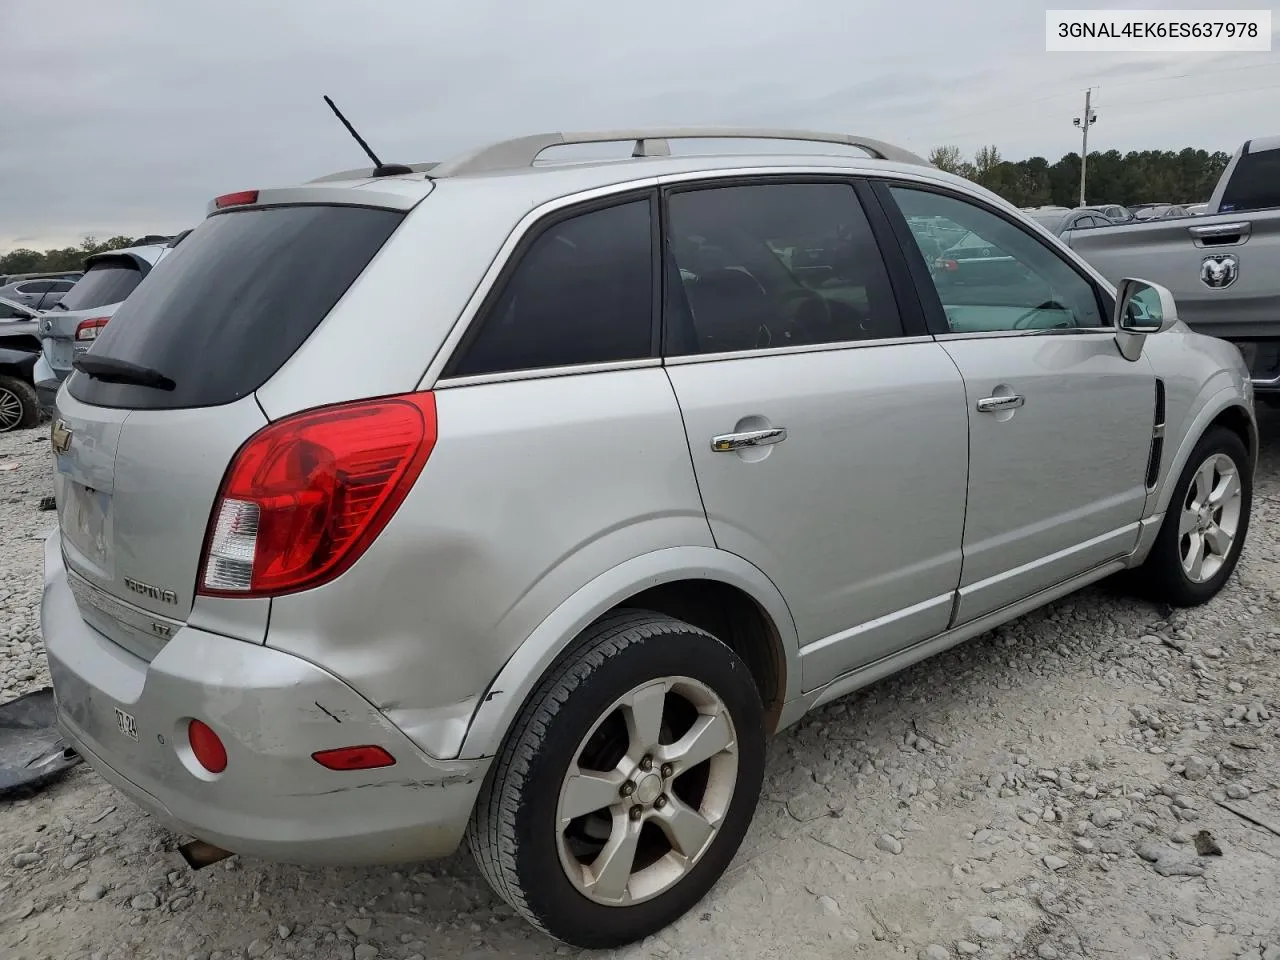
(1040, 792)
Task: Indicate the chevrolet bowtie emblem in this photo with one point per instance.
(60, 436)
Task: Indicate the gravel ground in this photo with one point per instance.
(1038, 792)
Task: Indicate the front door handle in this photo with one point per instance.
(728, 442)
(996, 404)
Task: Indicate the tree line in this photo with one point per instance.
(23, 260)
(1140, 176)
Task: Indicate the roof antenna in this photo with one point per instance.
(380, 169)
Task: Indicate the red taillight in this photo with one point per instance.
(354, 758)
(207, 746)
(237, 199)
(88, 329)
(950, 266)
(305, 496)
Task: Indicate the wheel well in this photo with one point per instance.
(733, 617)
(1236, 419)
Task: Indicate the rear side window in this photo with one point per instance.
(581, 293)
(773, 265)
(225, 309)
(108, 282)
(1254, 183)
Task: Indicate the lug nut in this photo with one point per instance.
(646, 763)
(666, 770)
(628, 789)
(636, 812)
(660, 802)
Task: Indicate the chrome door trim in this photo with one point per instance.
(996, 404)
(1061, 332)
(802, 348)
(729, 442)
(539, 373)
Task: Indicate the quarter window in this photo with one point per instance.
(581, 293)
(992, 275)
(773, 265)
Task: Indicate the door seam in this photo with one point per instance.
(968, 469)
(688, 445)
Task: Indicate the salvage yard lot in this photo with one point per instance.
(1034, 793)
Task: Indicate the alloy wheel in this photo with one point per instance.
(1210, 518)
(647, 791)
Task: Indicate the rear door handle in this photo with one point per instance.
(996, 404)
(1211, 230)
(728, 442)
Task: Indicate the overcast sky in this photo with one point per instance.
(128, 116)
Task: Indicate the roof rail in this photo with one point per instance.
(524, 151)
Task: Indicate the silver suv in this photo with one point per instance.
(524, 500)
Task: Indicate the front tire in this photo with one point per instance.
(626, 785)
(1204, 529)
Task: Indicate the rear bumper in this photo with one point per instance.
(272, 711)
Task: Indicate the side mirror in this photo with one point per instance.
(1142, 308)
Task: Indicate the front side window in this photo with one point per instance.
(773, 265)
(998, 277)
(581, 293)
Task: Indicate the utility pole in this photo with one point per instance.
(1090, 118)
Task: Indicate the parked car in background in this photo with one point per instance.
(19, 325)
(1197, 209)
(1114, 212)
(1222, 266)
(1060, 224)
(19, 406)
(37, 294)
(302, 606)
(69, 329)
(1161, 211)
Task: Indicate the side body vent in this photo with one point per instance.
(1157, 438)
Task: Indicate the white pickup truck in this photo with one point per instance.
(1223, 267)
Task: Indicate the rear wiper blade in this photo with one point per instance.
(111, 370)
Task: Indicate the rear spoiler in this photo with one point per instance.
(118, 256)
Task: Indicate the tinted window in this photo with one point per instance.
(582, 292)
(62, 286)
(35, 286)
(9, 311)
(1011, 282)
(110, 281)
(774, 265)
(1254, 183)
(222, 312)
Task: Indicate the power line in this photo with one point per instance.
(1075, 91)
(1120, 106)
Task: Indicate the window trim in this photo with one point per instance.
(448, 375)
(932, 300)
(910, 311)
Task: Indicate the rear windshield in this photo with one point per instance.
(1050, 221)
(226, 308)
(105, 283)
(1254, 183)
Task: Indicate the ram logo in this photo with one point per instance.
(1219, 272)
(147, 590)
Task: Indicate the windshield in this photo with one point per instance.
(107, 282)
(1254, 183)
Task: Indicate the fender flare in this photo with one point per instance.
(1222, 400)
(510, 689)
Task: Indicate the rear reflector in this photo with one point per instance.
(306, 495)
(206, 746)
(237, 199)
(354, 758)
(88, 329)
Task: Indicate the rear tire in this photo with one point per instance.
(619, 729)
(19, 405)
(1204, 529)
